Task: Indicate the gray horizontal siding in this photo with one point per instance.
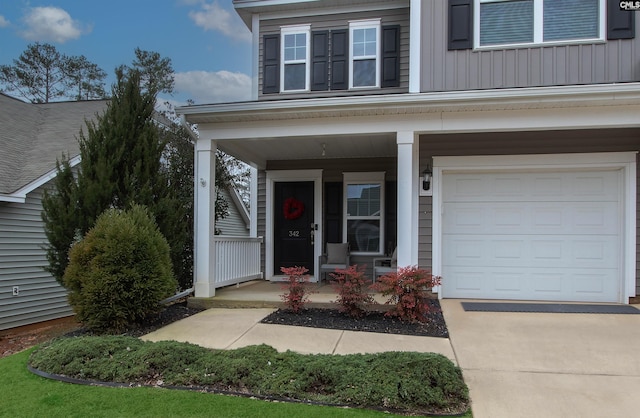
(341, 21)
(506, 143)
(443, 70)
(22, 262)
(233, 224)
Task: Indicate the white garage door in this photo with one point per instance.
(532, 236)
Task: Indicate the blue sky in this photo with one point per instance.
(207, 42)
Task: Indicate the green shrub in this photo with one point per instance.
(119, 272)
(415, 383)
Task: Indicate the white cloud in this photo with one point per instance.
(213, 87)
(3, 22)
(215, 18)
(51, 24)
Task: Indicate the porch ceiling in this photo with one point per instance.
(259, 150)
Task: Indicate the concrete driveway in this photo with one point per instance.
(547, 365)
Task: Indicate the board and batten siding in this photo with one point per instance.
(506, 143)
(610, 61)
(22, 262)
(340, 21)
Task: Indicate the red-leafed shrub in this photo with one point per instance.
(408, 289)
(352, 295)
(297, 294)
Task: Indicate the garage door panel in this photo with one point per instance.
(531, 218)
(530, 251)
(539, 284)
(562, 186)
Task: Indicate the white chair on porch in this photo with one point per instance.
(385, 265)
(336, 257)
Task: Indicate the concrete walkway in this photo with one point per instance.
(515, 364)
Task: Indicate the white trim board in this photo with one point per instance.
(625, 161)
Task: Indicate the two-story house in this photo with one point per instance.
(492, 141)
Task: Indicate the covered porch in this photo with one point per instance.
(347, 172)
(267, 294)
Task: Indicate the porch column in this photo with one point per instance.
(408, 191)
(204, 218)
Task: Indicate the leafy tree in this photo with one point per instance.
(85, 77)
(42, 74)
(120, 166)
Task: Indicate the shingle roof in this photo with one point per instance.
(34, 136)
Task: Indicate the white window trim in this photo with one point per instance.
(293, 30)
(365, 24)
(364, 178)
(538, 35)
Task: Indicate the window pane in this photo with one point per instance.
(364, 73)
(570, 19)
(364, 235)
(295, 47)
(363, 199)
(294, 77)
(364, 42)
(507, 22)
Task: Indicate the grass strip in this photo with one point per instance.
(425, 383)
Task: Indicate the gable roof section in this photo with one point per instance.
(34, 136)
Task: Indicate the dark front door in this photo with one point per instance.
(293, 225)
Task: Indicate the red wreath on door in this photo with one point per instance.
(293, 208)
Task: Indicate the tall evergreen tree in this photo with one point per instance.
(121, 165)
(60, 218)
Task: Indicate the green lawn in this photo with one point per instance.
(26, 395)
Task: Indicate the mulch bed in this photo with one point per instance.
(373, 322)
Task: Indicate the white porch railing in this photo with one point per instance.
(237, 260)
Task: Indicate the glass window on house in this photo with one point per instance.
(513, 22)
(364, 212)
(295, 53)
(364, 47)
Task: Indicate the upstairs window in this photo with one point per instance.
(299, 59)
(295, 58)
(364, 52)
(364, 212)
(507, 22)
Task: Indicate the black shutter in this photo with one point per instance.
(620, 23)
(320, 60)
(339, 59)
(391, 56)
(271, 64)
(460, 24)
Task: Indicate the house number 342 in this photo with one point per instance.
(294, 233)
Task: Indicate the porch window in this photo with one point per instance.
(364, 212)
(295, 62)
(364, 52)
(505, 22)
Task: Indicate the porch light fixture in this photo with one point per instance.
(324, 149)
(426, 178)
(203, 182)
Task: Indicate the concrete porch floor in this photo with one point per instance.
(266, 294)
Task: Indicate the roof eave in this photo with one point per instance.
(540, 97)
